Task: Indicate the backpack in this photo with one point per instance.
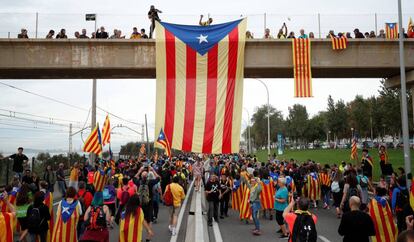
(402, 199)
(363, 181)
(304, 229)
(34, 221)
(97, 218)
(124, 196)
(143, 193)
(335, 187)
(168, 197)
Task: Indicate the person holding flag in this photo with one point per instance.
(367, 164)
(7, 219)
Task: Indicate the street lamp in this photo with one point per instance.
(352, 134)
(249, 150)
(268, 116)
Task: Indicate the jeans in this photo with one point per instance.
(212, 211)
(255, 206)
(19, 175)
(155, 207)
(326, 195)
(62, 187)
(152, 28)
(41, 235)
(224, 205)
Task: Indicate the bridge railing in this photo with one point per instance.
(39, 24)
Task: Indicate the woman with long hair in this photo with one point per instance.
(132, 220)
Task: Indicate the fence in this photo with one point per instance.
(39, 24)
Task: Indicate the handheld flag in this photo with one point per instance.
(200, 85)
(339, 43)
(391, 30)
(385, 227)
(94, 142)
(354, 150)
(302, 67)
(106, 131)
(163, 141)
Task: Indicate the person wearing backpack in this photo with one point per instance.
(356, 225)
(364, 183)
(400, 198)
(123, 195)
(351, 188)
(37, 217)
(97, 217)
(301, 222)
(85, 199)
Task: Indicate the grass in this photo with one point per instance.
(330, 156)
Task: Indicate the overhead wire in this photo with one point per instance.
(39, 116)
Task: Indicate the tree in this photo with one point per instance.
(359, 116)
(259, 125)
(43, 156)
(297, 122)
(316, 128)
(337, 118)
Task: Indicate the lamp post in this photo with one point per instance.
(352, 134)
(268, 116)
(404, 112)
(249, 150)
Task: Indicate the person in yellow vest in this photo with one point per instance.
(74, 176)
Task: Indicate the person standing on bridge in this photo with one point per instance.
(153, 16)
(19, 160)
(356, 226)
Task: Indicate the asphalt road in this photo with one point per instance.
(232, 229)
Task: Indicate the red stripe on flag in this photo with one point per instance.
(231, 79)
(298, 63)
(308, 70)
(302, 67)
(296, 68)
(170, 87)
(383, 222)
(9, 231)
(190, 96)
(210, 118)
(136, 225)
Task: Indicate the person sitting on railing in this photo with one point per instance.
(114, 35)
(83, 35)
(23, 34)
(282, 32)
(291, 35)
(135, 34)
(358, 35)
(348, 35)
(302, 34)
(101, 34)
(267, 34)
(372, 35)
(62, 34)
(50, 34)
(366, 34)
(77, 34)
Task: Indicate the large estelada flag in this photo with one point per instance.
(302, 67)
(385, 227)
(200, 85)
(391, 30)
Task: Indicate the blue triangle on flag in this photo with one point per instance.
(201, 38)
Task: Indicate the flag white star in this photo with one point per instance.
(65, 210)
(202, 38)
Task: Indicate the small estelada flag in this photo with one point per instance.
(106, 131)
(302, 67)
(94, 142)
(339, 43)
(391, 30)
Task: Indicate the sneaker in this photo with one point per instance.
(284, 236)
(173, 232)
(271, 217)
(210, 224)
(170, 228)
(279, 231)
(257, 232)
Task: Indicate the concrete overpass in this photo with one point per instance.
(86, 59)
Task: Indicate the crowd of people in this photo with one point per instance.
(130, 192)
(153, 16)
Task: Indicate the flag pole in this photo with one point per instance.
(93, 118)
(404, 114)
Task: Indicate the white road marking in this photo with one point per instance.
(181, 214)
(323, 238)
(199, 227)
(217, 233)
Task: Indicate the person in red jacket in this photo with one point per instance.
(85, 197)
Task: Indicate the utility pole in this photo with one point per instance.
(93, 122)
(146, 131)
(142, 134)
(404, 112)
(70, 140)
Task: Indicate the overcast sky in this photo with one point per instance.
(132, 99)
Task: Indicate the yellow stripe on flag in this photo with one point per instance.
(161, 66)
